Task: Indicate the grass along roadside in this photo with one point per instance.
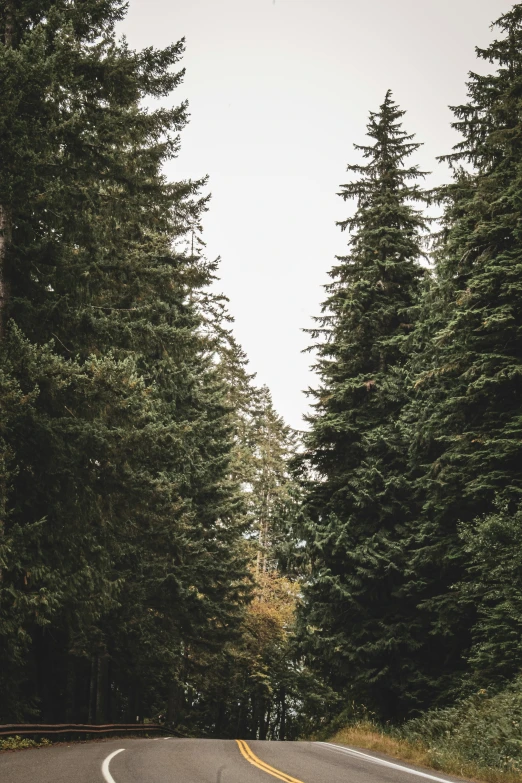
(368, 736)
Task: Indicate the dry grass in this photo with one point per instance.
(370, 737)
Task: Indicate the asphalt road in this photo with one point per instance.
(205, 761)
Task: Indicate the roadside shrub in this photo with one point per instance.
(485, 729)
(18, 743)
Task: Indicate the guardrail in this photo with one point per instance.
(50, 729)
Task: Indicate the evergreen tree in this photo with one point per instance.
(358, 627)
(467, 442)
(264, 449)
(123, 531)
(255, 685)
(271, 486)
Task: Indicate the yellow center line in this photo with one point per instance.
(247, 753)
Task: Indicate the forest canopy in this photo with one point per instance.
(169, 546)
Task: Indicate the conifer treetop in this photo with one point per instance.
(391, 148)
(356, 502)
(385, 226)
(488, 122)
(386, 232)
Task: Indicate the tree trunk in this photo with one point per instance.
(282, 726)
(134, 706)
(220, 717)
(241, 720)
(70, 689)
(174, 703)
(101, 688)
(264, 522)
(255, 723)
(108, 693)
(92, 689)
(264, 720)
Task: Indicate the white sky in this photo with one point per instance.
(279, 90)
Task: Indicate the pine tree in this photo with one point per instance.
(468, 437)
(358, 627)
(264, 448)
(123, 525)
(273, 445)
(249, 690)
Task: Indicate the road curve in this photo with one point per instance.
(206, 761)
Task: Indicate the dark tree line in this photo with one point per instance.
(413, 462)
(144, 477)
(158, 551)
(122, 550)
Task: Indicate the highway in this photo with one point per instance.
(169, 760)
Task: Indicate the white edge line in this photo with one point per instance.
(105, 766)
(376, 760)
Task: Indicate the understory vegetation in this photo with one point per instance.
(169, 548)
(22, 743)
(482, 729)
(478, 737)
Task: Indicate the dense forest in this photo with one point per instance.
(168, 545)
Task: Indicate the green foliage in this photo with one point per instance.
(123, 533)
(255, 685)
(158, 552)
(20, 743)
(493, 584)
(483, 729)
(357, 623)
(414, 593)
(473, 390)
(465, 424)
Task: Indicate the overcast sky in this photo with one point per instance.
(279, 90)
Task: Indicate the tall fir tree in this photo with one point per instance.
(122, 540)
(467, 439)
(357, 625)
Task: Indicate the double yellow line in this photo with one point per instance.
(253, 759)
